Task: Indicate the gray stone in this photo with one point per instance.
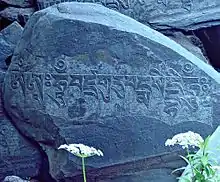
(20, 15)
(191, 43)
(9, 37)
(98, 77)
(17, 155)
(14, 179)
(161, 14)
(18, 3)
(151, 169)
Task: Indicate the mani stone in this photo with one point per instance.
(83, 73)
(161, 14)
(8, 40)
(17, 155)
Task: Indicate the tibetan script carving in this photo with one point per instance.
(83, 95)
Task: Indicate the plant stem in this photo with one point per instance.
(190, 163)
(83, 169)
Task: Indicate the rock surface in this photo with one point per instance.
(17, 155)
(161, 14)
(83, 73)
(18, 3)
(9, 37)
(20, 15)
(14, 179)
(191, 43)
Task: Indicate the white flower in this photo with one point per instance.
(185, 140)
(217, 168)
(81, 150)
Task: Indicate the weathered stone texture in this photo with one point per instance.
(9, 37)
(14, 179)
(161, 14)
(18, 3)
(83, 73)
(20, 15)
(191, 43)
(17, 155)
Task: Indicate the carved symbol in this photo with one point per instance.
(164, 2)
(59, 99)
(104, 87)
(60, 66)
(118, 86)
(117, 4)
(187, 4)
(77, 81)
(77, 109)
(15, 77)
(191, 103)
(143, 91)
(60, 81)
(188, 68)
(89, 86)
(171, 107)
(48, 79)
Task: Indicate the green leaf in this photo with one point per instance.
(204, 160)
(205, 144)
(198, 175)
(184, 178)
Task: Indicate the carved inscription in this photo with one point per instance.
(113, 4)
(171, 99)
(29, 84)
(185, 4)
(127, 5)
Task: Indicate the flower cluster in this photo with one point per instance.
(81, 150)
(185, 140)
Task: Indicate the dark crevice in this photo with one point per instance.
(210, 38)
(4, 23)
(3, 6)
(193, 37)
(8, 60)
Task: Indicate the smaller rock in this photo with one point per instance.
(18, 3)
(8, 40)
(14, 179)
(20, 15)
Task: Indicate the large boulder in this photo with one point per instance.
(83, 73)
(161, 14)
